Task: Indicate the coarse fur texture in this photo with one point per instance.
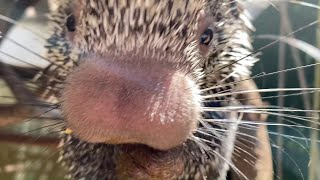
(148, 67)
(155, 29)
(145, 89)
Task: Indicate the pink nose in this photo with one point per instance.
(116, 103)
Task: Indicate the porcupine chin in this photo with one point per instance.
(135, 65)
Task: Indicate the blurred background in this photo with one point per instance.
(28, 149)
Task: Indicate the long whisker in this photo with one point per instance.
(273, 145)
(259, 90)
(41, 114)
(34, 53)
(253, 128)
(252, 111)
(264, 97)
(207, 133)
(292, 138)
(260, 108)
(210, 150)
(267, 46)
(43, 127)
(226, 121)
(9, 20)
(260, 75)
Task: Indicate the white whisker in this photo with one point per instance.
(260, 90)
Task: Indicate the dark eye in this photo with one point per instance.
(206, 37)
(71, 23)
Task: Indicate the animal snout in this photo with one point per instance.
(128, 100)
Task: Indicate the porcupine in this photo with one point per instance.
(139, 85)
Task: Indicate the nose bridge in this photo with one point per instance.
(139, 64)
(147, 74)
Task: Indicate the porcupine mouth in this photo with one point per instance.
(122, 102)
(142, 162)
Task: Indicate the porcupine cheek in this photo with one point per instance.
(120, 103)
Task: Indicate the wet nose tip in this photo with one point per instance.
(119, 104)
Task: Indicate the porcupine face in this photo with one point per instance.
(134, 75)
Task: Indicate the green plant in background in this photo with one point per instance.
(291, 155)
(314, 171)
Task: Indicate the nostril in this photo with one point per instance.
(117, 104)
